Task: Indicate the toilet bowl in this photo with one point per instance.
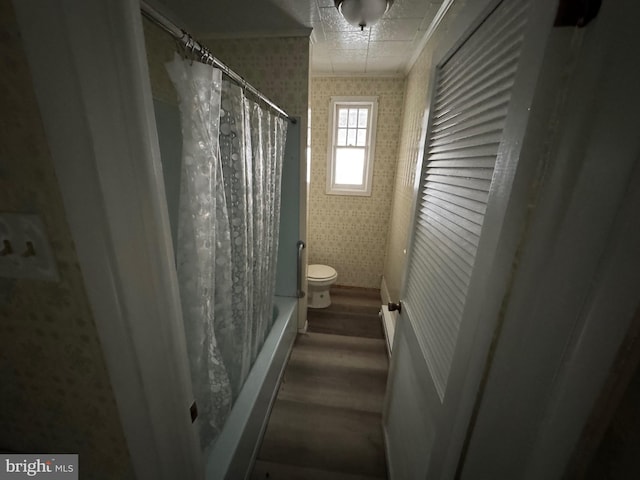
(319, 279)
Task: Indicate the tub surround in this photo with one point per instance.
(236, 448)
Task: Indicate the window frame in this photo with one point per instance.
(352, 189)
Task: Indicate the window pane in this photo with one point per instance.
(353, 117)
(362, 138)
(362, 117)
(342, 117)
(342, 137)
(349, 166)
(351, 137)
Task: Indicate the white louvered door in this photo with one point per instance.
(472, 94)
(464, 169)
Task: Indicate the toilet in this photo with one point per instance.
(320, 278)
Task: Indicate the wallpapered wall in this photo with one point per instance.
(415, 105)
(55, 391)
(160, 49)
(277, 67)
(350, 232)
(400, 219)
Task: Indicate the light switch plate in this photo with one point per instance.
(24, 248)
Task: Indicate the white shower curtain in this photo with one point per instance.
(228, 233)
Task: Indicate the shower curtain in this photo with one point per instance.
(228, 229)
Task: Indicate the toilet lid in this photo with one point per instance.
(319, 272)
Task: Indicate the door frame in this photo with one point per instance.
(576, 291)
(583, 241)
(504, 225)
(90, 75)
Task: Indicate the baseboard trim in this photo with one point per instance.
(385, 438)
(370, 292)
(303, 330)
(388, 318)
(389, 326)
(384, 292)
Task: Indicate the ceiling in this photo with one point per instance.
(386, 48)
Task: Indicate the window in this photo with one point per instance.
(352, 127)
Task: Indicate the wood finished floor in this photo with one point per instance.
(326, 421)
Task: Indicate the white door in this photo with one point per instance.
(481, 92)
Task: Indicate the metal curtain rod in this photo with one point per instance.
(192, 44)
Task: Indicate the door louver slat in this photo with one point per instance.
(444, 235)
(472, 205)
(467, 130)
(472, 94)
(506, 25)
(472, 183)
(457, 276)
(492, 86)
(445, 144)
(479, 151)
(456, 217)
(505, 62)
(456, 266)
(479, 173)
(461, 163)
(452, 304)
(489, 56)
(497, 106)
(492, 92)
(461, 192)
(469, 215)
(453, 226)
(447, 278)
(461, 243)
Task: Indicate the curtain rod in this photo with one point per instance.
(192, 44)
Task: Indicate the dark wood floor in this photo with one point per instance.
(326, 422)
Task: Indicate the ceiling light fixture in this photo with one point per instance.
(363, 13)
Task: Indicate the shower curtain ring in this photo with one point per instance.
(180, 44)
(192, 48)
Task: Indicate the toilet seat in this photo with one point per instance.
(321, 272)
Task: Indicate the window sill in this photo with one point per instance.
(348, 192)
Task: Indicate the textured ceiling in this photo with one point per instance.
(384, 48)
(337, 48)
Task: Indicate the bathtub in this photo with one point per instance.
(234, 453)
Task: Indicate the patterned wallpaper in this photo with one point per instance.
(54, 387)
(415, 105)
(350, 232)
(400, 219)
(277, 67)
(160, 49)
